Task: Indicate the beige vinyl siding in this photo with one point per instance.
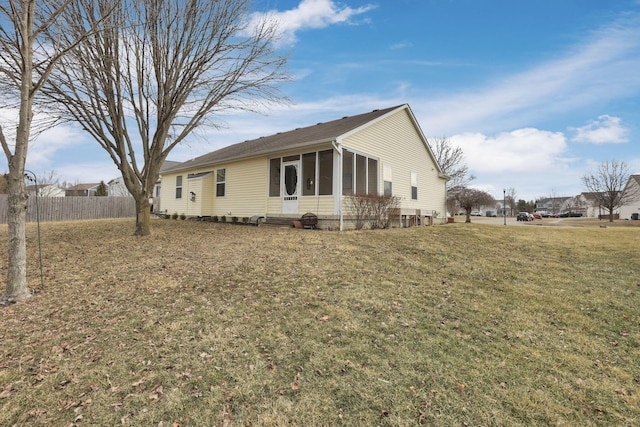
(322, 205)
(246, 188)
(396, 141)
(245, 191)
(194, 206)
(274, 205)
(203, 189)
(170, 204)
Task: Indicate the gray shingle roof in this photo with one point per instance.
(301, 137)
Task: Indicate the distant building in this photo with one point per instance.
(46, 190)
(631, 209)
(117, 188)
(82, 190)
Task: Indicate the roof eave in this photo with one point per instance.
(185, 167)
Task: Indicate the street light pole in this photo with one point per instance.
(504, 205)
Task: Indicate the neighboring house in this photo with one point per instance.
(315, 169)
(46, 190)
(554, 205)
(83, 190)
(590, 206)
(116, 188)
(633, 206)
(156, 205)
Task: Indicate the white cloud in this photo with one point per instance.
(310, 14)
(401, 45)
(523, 151)
(46, 144)
(604, 130)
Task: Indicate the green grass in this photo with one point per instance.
(206, 324)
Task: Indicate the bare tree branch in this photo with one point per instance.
(608, 185)
(452, 162)
(163, 68)
(31, 46)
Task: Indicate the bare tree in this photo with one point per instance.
(608, 185)
(158, 70)
(452, 162)
(510, 196)
(470, 198)
(48, 184)
(30, 47)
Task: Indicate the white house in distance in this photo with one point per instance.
(633, 207)
(315, 169)
(46, 190)
(116, 188)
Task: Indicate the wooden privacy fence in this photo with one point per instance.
(74, 208)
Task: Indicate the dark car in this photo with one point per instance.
(523, 216)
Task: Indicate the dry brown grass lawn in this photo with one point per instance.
(206, 324)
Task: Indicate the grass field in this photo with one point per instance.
(205, 324)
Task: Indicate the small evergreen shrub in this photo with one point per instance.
(183, 216)
(215, 218)
(175, 215)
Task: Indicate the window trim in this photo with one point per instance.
(387, 179)
(222, 183)
(179, 186)
(414, 186)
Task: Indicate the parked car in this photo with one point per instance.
(537, 216)
(476, 213)
(491, 214)
(523, 216)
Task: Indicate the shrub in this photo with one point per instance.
(223, 218)
(215, 218)
(234, 219)
(175, 215)
(183, 216)
(372, 208)
(245, 219)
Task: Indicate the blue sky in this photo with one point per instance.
(537, 93)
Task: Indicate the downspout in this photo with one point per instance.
(338, 149)
(446, 208)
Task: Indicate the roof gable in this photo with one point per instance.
(300, 137)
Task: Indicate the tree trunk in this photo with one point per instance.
(143, 216)
(16, 289)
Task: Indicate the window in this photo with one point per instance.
(220, 182)
(414, 186)
(309, 174)
(372, 171)
(347, 173)
(274, 177)
(325, 173)
(386, 176)
(361, 174)
(179, 187)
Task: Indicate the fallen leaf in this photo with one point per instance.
(156, 392)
